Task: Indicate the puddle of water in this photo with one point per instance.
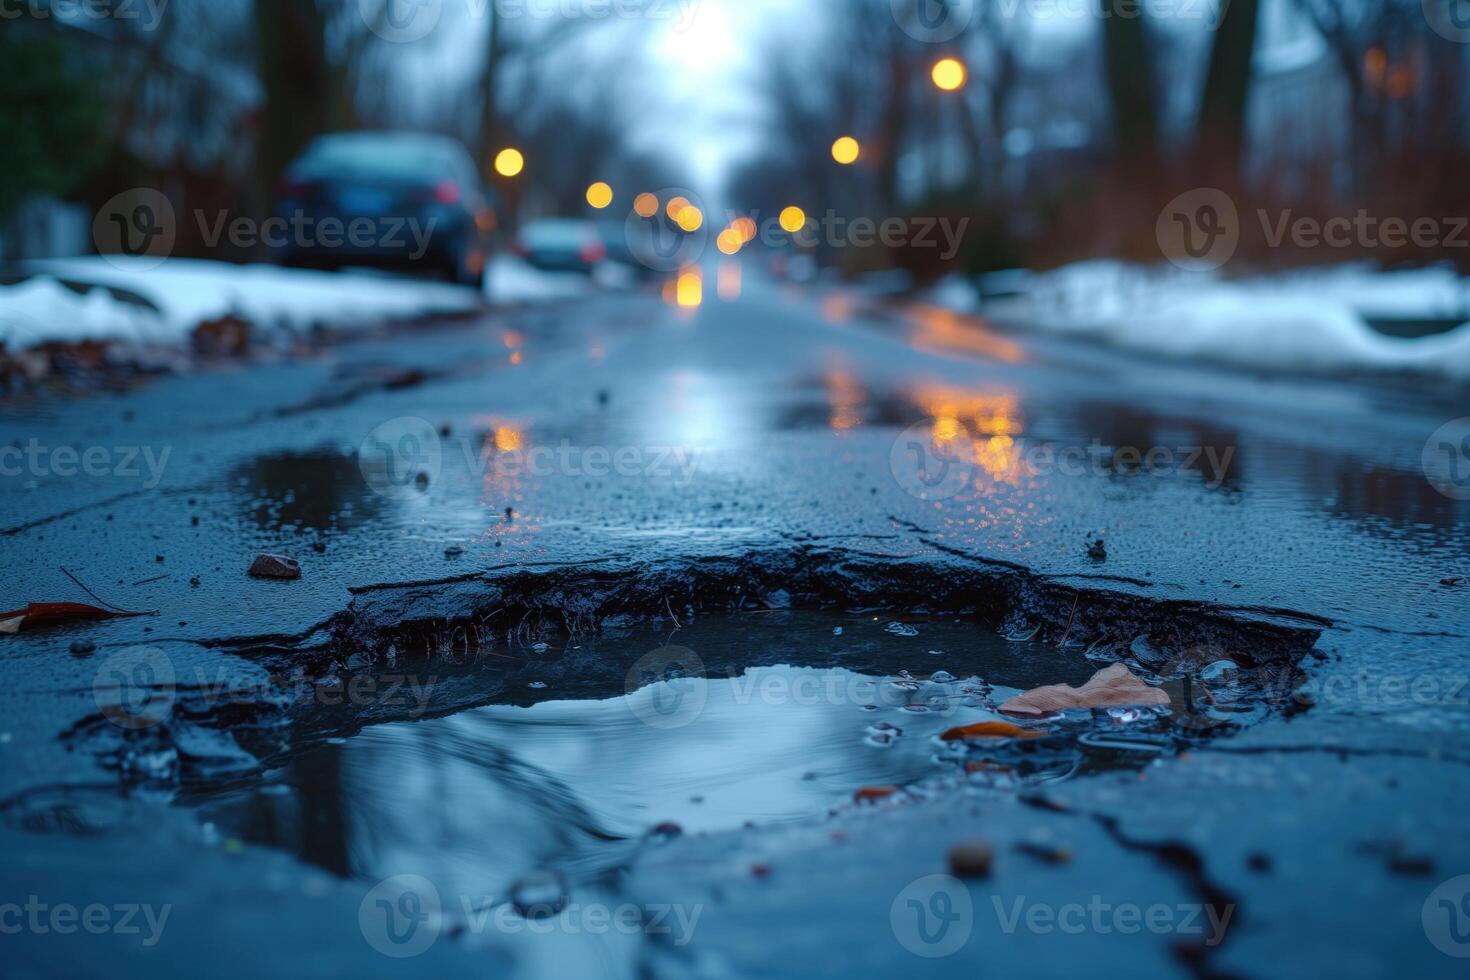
(568, 778)
(581, 754)
(317, 491)
(489, 795)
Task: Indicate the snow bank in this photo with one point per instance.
(182, 293)
(187, 292)
(1304, 321)
(511, 280)
(40, 310)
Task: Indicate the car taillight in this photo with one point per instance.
(593, 252)
(446, 192)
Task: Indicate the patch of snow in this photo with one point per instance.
(509, 279)
(186, 292)
(953, 292)
(40, 310)
(1313, 320)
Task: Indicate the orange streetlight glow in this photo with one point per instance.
(690, 218)
(793, 219)
(730, 241)
(949, 74)
(675, 205)
(645, 205)
(509, 162)
(745, 228)
(599, 195)
(846, 150)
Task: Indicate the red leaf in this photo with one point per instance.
(53, 614)
(989, 729)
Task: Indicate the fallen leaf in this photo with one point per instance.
(984, 729)
(1113, 686)
(39, 614)
(870, 793)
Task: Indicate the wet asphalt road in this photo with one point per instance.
(627, 430)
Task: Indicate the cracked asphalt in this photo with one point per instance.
(594, 442)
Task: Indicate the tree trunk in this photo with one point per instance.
(1128, 71)
(300, 86)
(1220, 133)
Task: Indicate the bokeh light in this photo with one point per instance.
(509, 162)
(793, 219)
(645, 205)
(846, 150)
(949, 74)
(730, 241)
(690, 218)
(599, 195)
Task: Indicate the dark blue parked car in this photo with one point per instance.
(385, 199)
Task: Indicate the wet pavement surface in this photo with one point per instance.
(516, 535)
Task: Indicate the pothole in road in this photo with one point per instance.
(576, 758)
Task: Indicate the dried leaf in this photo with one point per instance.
(39, 614)
(1114, 686)
(989, 729)
(870, 793)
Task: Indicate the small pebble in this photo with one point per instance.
(971, 858)
(80, 648)
(275, 566)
